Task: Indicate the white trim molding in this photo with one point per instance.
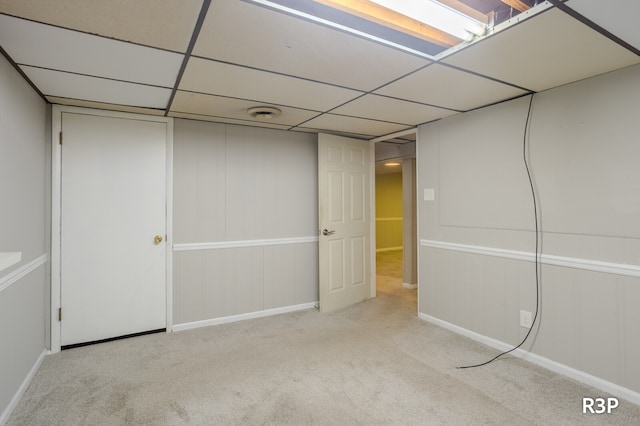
(554, 366)
(242, 317)
(243, 243)
(21, 272)
(545, 259)
(410, 286)
(4, 417)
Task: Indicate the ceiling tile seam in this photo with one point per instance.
(278, 73)
(362, 136)
(500, 102)
(95, 76)
(370, 92)
(103, 103)
(93, 34)
(370, 119)
(331, 109)
(308, 120)
(173, 111)
(248, 100)
(187, 55)
(290, 126)
(418, 103)
(353, 33)
(248, 123)
(477, 74)
(23, 75)
(400, 78)
(589, 23)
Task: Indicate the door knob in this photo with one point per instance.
(326, 232)
(157, 239)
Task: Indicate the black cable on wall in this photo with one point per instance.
(537, 257)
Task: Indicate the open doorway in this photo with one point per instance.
(396, 233)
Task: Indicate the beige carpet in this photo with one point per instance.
(373, 363)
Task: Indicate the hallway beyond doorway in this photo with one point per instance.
(389, 278)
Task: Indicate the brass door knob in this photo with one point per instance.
(157, 239)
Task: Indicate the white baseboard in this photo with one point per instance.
(242, 317)
(410, 286)
(581, 376)
(22, 389)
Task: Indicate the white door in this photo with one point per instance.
(344, 185)
(113, 190)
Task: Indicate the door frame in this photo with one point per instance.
(413, 130)
(56, 209)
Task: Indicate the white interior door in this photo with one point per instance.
(113, 186)
(344, 180)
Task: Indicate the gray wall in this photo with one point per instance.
(23, 215)
(584, 155)
(242, 184)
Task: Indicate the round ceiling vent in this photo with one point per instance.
(264, 113)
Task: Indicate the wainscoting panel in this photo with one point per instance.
(585, 317)
(227, 281)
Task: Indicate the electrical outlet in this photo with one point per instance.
(525, 319)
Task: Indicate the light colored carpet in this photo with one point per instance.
(373, 363)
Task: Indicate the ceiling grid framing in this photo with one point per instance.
(322, 78)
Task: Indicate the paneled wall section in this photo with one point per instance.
(23, 286)
(583, 151)
(245, 220)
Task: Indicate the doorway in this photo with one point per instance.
(111, 219)
(396, 233)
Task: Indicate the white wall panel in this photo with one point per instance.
(189, 304)
(474, 188)
(582, 155)
(235, 184)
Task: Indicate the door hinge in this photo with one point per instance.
(59, 314)
(60, 138)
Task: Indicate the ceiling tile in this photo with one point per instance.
(217, 78)
(221, 107)
(227, 120)
(389, 109)
(167, 24)
(65, 85)
(619, 17)
(278, 42)
(449, 88)
(341, 123)
(101, 105)
(545, 51)
(30, 43)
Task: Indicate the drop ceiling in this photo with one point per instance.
(212, 60)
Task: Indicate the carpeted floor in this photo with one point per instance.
(373, 363)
